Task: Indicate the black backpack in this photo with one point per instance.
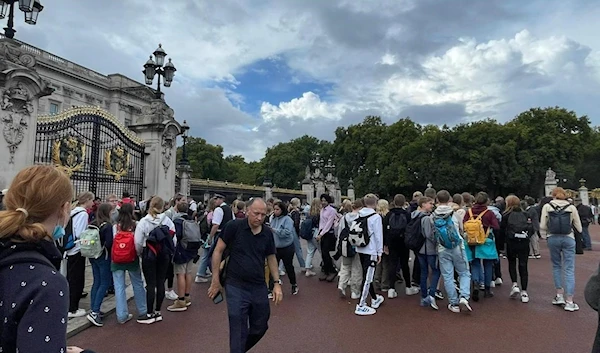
(396, 225)
(345, 247)
(559, 220)
(159, 243)
(204, 227)
(67, 242)
(413, 237)
(518, 226)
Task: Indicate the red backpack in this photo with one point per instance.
(123, 249)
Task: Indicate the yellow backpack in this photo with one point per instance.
(474, 230)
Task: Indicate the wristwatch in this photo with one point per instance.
(279, 281)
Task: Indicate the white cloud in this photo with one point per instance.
(309, 106)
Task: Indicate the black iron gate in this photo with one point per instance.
(95, 149)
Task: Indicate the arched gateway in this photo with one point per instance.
(98, 152)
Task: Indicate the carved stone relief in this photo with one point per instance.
(168, 141)
(16, 108)
(157, 112)
(14, 54)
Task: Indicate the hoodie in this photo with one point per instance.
(375, 227)
(283, 231)
(79, 223)
(575, 220)
(444, 211)
(146, 225)
(429, 248)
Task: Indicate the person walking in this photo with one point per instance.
(248, 243)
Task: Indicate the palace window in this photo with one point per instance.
(54, 108)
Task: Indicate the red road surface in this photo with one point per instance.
(317, 321)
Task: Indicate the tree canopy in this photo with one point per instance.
(404, 156)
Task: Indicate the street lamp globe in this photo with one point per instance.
(3, 9)
(26, 5)
(185, 127)
(149, 70)
(160, 56)
(31, 16)
(169, 73)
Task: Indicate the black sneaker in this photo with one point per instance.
(294, 289)
(476, 294)
(439, 295)
(157, 316)
(146, 319)
(95, 319)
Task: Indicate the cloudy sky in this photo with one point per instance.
(252, 73)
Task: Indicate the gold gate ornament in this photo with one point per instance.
(68, 154)
(116, 162)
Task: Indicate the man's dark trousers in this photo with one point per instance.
(248, 310)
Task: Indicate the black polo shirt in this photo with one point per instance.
(247, 252)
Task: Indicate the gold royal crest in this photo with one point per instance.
(68, 154)
(116, 162)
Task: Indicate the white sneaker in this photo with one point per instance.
(364, 310)
(376, 303)
(392, 293)
(412, 290)
(571, 307)
(281, 273)
(355, 296)
(514, 292)
(465, 304)
(78, 313)
(524, 297)
(492, 285)
(481, 286)
(201, 279)
(432, 303)
(310, 273)
(498, 281)
(454, 308)
(171, 295)
(559, 300)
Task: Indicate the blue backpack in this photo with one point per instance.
(306, 229)
(445, 231)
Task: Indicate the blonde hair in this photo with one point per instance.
(211, 205)
(295, 202)
(156, 206)
(38, 192)
(559, 193)
(315, 207)
(346, 206)
(84, 197)
(512, 203)
(383, 207)
(370, 200)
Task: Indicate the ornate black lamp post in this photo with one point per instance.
(158, 67)
(31, 8)
(185, 127)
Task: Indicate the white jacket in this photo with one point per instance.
(79, 223)
(375, 227)
(146, 225)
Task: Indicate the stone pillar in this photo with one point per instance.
(584, 193)
(21, 88)
(309, 191)
(351, 194)
(338, 195)
(550, 182)
(184, 178)
(206, 196)
(268, 189)
(159, 129)
(320, 188)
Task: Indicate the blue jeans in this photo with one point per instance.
(565, 246)
(587, 241)
(248, 309)
(311, 247)
(451, 260)
(139, 293)
(299, 254)
(488, 272)
(429, 262)
(203, 263)
(102, 280)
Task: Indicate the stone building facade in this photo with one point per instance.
(38, 86)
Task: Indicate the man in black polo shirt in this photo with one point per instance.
(249, 244)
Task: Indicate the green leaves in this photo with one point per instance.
(404, 156)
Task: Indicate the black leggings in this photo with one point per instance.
(170, 275)
(155, 272)
(76, 279)
(287, 256)
(399, 253)
(518, 250)
(365, 261)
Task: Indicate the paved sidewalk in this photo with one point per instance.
(79, 324)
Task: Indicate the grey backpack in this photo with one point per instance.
(191, 238)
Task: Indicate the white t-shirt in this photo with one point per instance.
(218, 216)
(80, 223)
(193, 206)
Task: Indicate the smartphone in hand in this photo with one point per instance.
(218, 298)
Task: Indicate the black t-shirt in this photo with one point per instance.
(247, 252)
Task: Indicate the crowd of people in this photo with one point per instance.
(371, 246)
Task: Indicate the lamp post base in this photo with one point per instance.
(9, 32)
